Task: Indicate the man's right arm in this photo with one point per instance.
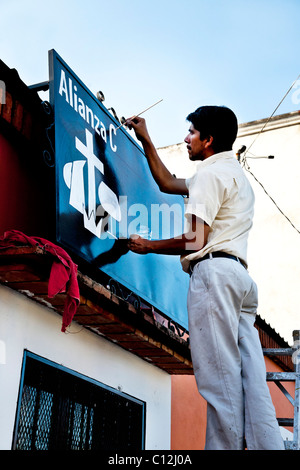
(167, 182)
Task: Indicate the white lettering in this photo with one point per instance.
(70, 94)
(63, 86)
(141, 221)
(81, 108)
(171, 459)
(171, 217)
(97, 125)
(112, 130)
(103, 132)
(119, 460)
(89, 116)
(75, 98)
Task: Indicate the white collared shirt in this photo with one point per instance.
(221, 195)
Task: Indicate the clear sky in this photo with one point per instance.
(241, 53)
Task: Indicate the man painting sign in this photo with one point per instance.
(222, 300)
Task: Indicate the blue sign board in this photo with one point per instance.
(105, 193)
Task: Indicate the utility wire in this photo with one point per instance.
(247, 167)
(268, 120)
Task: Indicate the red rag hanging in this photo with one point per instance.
(63, 274)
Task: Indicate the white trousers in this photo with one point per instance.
(227, 358)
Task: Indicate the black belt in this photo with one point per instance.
(216, 254)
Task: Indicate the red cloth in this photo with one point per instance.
(63, 275)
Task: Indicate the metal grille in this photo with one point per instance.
(58, 410)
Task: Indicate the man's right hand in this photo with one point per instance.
(167, 183)
(139, 126)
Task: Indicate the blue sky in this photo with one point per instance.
(240, 53)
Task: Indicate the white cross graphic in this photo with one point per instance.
(93, 162)
(74, 179)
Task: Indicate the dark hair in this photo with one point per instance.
(218, 122)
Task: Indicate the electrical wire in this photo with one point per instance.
(268, 120)
(247, 167)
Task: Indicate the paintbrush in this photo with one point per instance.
(140, 113)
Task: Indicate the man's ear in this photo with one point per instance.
(209, 142)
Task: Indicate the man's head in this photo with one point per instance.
(215, 127)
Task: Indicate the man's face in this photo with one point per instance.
(195, 146)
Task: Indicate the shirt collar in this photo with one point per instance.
(215, 157)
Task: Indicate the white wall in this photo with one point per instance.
(24, 324)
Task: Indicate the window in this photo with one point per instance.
(59, 409)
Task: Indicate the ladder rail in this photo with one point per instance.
(297, 403)
(278, 377)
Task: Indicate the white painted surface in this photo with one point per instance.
(24, 324)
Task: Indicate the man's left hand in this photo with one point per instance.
(138, 244)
